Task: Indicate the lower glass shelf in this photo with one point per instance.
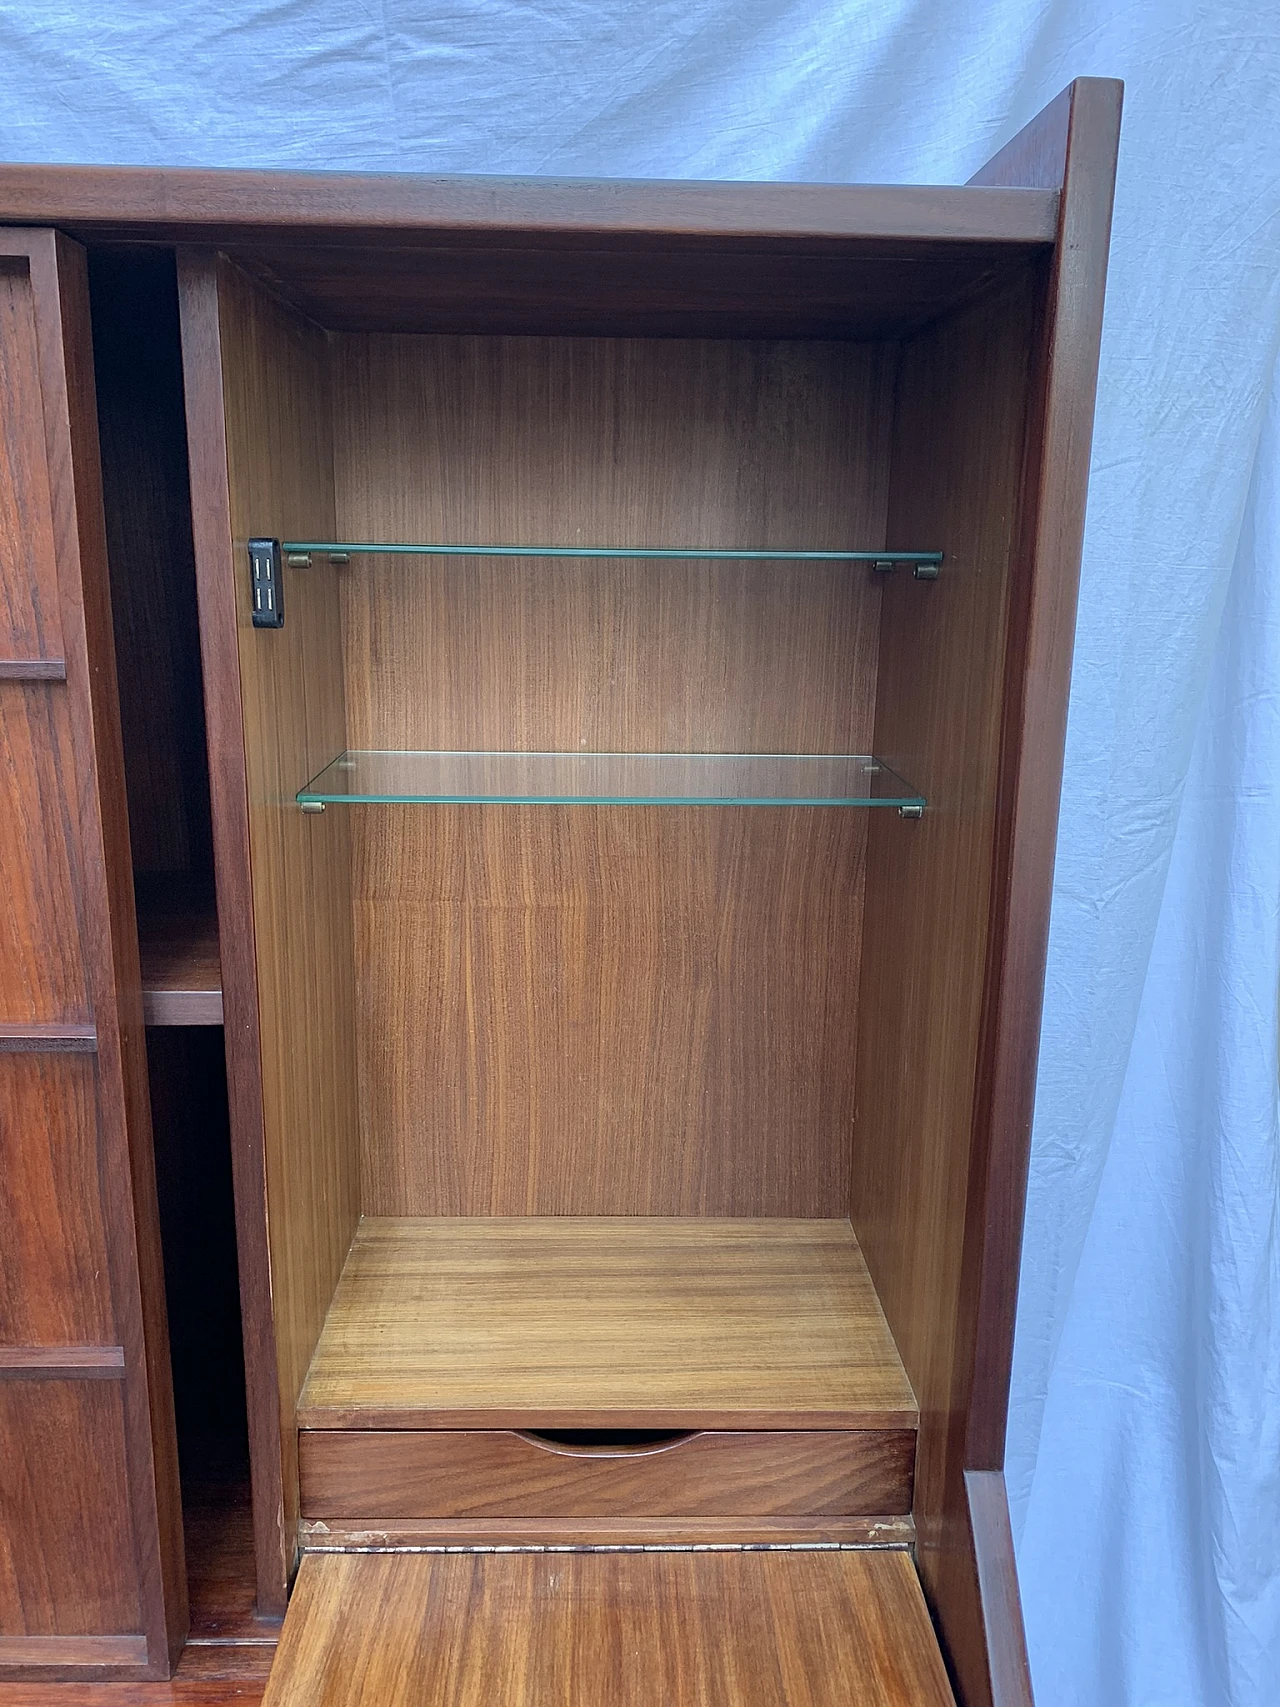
(618, 779)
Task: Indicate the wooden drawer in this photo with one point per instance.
(370, 1473)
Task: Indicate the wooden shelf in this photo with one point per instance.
(599, 1322)
(181, 968)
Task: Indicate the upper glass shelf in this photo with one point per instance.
(619, 779)
(925, 562)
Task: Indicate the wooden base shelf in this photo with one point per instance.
(599, 1322)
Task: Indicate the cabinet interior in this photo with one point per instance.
(662, 1110)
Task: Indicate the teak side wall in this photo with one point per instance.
(941, 1216)
(259, 435)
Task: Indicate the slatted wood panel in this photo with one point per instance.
(609, 1011)
(609, 1630)
(90, 1527)
(584, 1322)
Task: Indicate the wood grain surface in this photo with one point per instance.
(369, 1473)
(202, 206)
(609, 1630)
(583, 1322)
(68, 1565)
(658, 1003)
(279, 463)
(93, 1455)
(957, 465)
(261, 456)
(992, 447)
(271, 1441)
(54, 1284)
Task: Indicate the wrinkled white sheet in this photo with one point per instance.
(1144, 1448)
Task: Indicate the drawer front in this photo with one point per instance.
(447, 1473)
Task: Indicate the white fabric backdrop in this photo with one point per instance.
(1144, 1448)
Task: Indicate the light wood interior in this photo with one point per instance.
(606, 1010)
(760, 1629)
(474, 1015)
(584, 1322)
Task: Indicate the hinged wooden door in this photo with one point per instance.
(91, 1577)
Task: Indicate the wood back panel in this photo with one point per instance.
(90, 1519)
(261, 453)
(591, 1011)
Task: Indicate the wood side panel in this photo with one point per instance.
(609, 1322)
(272, 380)
(85, 814)
(608, 1630)
(957, 463)
(369, 1474)
(66, 1532)
(54, 1286)
(960, 1364)
(1079, 133)
(658, 1003)
(270, 1441)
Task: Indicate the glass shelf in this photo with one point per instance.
(925, 562)
(602, 779)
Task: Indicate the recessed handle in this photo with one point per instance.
(603, 1443)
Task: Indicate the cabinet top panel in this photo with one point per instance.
(188, 205)
(578, 257)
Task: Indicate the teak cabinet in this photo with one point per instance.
(599, 1248)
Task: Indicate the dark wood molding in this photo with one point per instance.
(1079, 135)
(1078, 138)
(220, 206)
(998, 1588)
(42, 1039)
(62, 1362)
(34, 1658)
(33, 669)
(211, 530)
